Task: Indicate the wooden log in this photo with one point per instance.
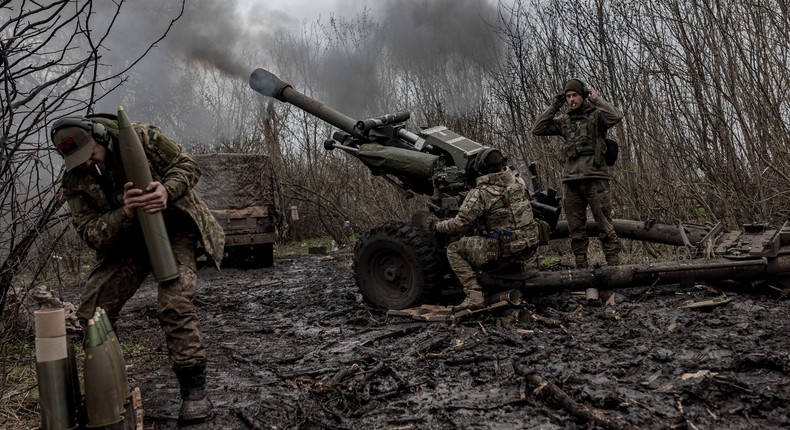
(553, 394)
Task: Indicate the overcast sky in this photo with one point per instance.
(302, 9)
(276, 14)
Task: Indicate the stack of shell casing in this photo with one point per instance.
(56, 370)
(106, 385)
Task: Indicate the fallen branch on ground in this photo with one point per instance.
(553, 394)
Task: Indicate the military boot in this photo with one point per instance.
(474, 300)
(195, 405)
(581, 261)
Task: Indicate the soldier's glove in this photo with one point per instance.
(559, 100)
(430, 222)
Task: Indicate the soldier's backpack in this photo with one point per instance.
(612, 151)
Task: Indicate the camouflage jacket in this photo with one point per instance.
(584, 131)
(499, 203)
(96, 202)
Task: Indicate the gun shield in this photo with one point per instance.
(135, 164)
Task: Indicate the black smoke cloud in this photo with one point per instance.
(211, 32)
(212, 36)
(159, 88)
(215, 34)
(422, 37)
(431, 29)
(220, 36)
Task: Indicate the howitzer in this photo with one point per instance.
(399, 265)
(434, 162)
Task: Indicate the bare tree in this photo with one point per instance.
(51, 54)
(697, 80)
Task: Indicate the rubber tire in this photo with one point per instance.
(398, 266)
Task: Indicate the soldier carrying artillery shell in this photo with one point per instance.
(130, 192)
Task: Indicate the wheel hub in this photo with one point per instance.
(391, 273)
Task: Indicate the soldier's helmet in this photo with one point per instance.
(490, 160)
(73, 137)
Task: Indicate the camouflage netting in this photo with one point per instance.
(236, 181)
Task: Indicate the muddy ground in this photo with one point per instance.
(295, 346)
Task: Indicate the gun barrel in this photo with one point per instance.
(268, 84)
(549, 210)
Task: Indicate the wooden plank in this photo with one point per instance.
(137, 402)
(718, 301)
(399, 312)
(441, 313)
(437, 308)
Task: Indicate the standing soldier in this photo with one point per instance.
(103, 206)
(499, 206)
(584, 176)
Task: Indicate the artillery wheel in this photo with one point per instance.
(397, 266)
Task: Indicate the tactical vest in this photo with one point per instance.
(580, 134)
(516, 213)
(511, 210)
(582, 137)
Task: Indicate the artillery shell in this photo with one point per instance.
(55, 382)
(135, 164)
(101, 392)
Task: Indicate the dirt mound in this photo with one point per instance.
(295, 346)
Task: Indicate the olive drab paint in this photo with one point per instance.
(115, 348)
(114, 360)
(58, 384)
(101, 391)
(135, 164)
(434, 162)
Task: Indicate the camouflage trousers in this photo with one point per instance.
(118, 275)
(577, 195)
(470, 253)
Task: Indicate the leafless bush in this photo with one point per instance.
(51, 54)
(697, 81)
(703, 131)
